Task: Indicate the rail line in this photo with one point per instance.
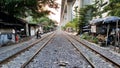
(23, 50)
(91, 64)
(35, 54)
(116, 65)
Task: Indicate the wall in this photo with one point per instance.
(7, 36)
(32, 31)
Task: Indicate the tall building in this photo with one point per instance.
(100, 4)
(68, 7)
(80, 4)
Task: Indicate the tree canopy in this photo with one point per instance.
(47, 23)
(113, 7)
(27, 7)
(33, 11)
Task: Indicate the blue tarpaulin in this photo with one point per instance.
(111, 19)
(106, 20)
(96, 21)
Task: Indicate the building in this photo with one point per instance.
(10, 27)
(68, 7)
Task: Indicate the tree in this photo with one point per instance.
(26, 7)
(75, 23)
(85, 15)
(72, 24)
(113, 7)
(47, 23)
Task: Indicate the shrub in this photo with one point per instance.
(95, 40)
(90, 38)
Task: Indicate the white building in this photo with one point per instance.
(80, 4)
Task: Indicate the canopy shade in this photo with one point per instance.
(106, 20)
(96, 21)
(111, 20)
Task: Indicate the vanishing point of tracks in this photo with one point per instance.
(60, 54)
(64, 51)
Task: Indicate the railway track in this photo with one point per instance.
(91, 64)
(8, 59)
(32, 57)
(115, 64)
(58, 48)
(57, 54)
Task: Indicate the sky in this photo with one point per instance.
(56, 16)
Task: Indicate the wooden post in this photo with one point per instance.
(27, 29)
(117, 36)
(108, 27)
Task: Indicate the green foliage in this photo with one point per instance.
(30, 8)
(73, 24)
(90, 38)
(69, 25)
(44, 19)
(14, 7)
(113, 7)
(95, 40)
(26, 7)
(86, 36)
(63, 27)
(47, 23)
(85, 14)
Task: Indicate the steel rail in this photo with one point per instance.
(104, 57)
(91, 64)
(17, 53)
(30, 59)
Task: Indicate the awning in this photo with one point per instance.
(96, 21)
(111, 20)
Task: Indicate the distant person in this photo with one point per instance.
(16, 38)
(38, 34)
